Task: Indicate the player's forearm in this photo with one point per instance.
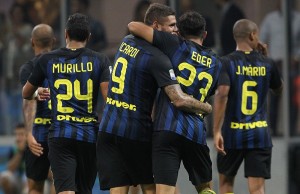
(189, 104)
(185, 102)
(142, 30)
(219, 112)
(29, 91)
(29, 110)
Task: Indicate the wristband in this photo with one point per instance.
(35, 94)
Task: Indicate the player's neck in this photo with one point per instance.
(244, 47)
(196, 40)
(39, 51)
(75, 44)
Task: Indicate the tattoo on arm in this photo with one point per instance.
(185, 102)
(29, 110)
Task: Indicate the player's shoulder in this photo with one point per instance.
(142, 45)
(28, 64)
(93, 53)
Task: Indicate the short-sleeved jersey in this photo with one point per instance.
(74, 77)
(42, 119)
(197, 69)
(249, 75)
(139, 69)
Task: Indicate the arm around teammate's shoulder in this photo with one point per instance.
(141, 30)
(185, 102)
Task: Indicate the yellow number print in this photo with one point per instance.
(77, 94)
(61, 97)
(49, 105)
(88, 97)
(203, 91)
(249, 94)
(119, 79)
(190, 80)
(192, 76)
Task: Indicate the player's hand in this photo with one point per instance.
(34, 146)
(43, 94)
(219, 143)
(262, 48)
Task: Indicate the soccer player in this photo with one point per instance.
(240, 122)
(37, 115)
(180, 136)
(125, 131)
(74, 76)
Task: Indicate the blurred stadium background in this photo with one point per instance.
(114, 16)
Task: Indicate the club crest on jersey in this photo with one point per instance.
(172, 74)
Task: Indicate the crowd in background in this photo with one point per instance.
(15, 48)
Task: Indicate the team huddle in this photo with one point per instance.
(156, 94)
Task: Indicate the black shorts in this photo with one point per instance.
(37, 167)
(123, 162)
(169, 149)
(73, 164)
(257, 162)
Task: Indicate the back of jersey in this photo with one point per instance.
(197, 70)
(136, 75)
(74, 78)
(250, 75)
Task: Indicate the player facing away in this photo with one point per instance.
(37, 115)
(74, 74)
(125, 131)
(180, 136)
(240, 117)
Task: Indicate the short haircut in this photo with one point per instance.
(243, 28)
(43, 35)
(156, 12)
(191, 23)
(77, 27)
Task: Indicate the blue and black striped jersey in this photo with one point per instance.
(74, 77)
(139, 69)
(249, 75)
(197, 69)
(42, 119)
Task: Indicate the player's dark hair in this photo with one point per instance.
(156, 12)
(191, 23)
(77, 27)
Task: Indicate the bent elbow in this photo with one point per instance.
(179, 104)
(131, 27)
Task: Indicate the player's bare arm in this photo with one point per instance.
(141, 30)
(29, 110)
(29, 91)
(220, 102)
(185, 102)
(104, 90)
